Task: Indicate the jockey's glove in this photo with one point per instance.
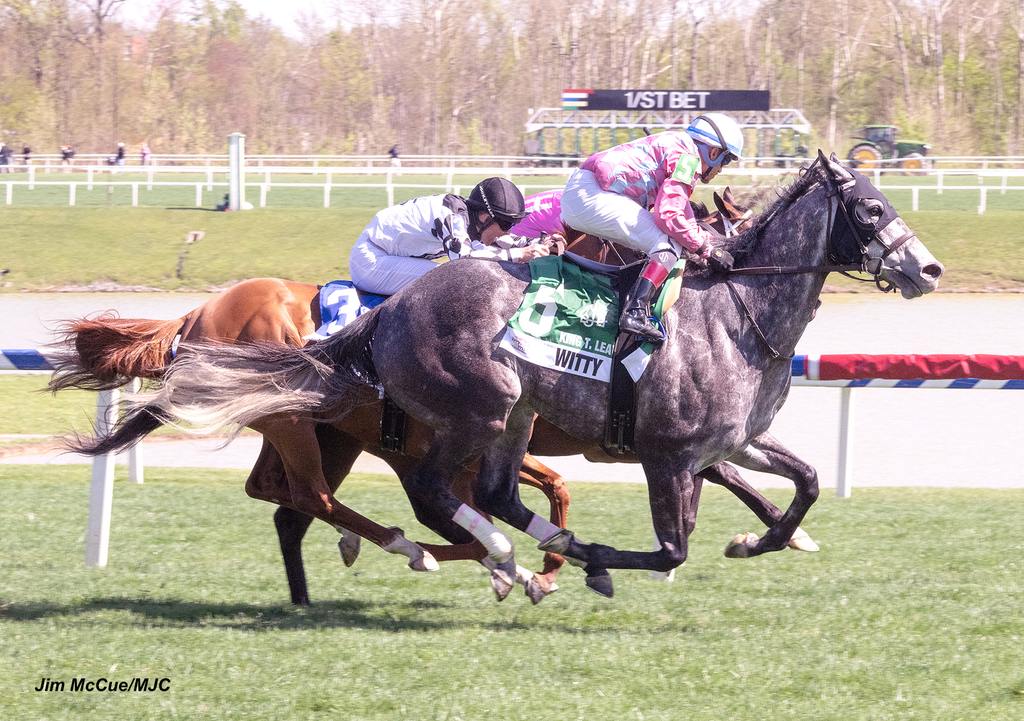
(720, 260)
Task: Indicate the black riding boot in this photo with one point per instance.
(636, 314)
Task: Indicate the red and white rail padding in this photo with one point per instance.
(856, 370)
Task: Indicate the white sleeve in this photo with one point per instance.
(450, 229)
(479, 250)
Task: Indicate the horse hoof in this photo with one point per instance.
(741, 546)
(665, 576)
(537, 590)
(503, 579)
(348, 546)
(803, 542)
(424, 562)
(601, 583)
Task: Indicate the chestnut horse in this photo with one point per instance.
(106, 351)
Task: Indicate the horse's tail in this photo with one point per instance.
(133, 426)
(212, 387)
(107, 351)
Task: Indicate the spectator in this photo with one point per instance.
(5, 157)
(119, 158)
(144, 153)
(393, 152)
(26, 154)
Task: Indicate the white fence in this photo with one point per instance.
(451, 178)
(52, 161)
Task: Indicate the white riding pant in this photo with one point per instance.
(589, 209)
(374, 271)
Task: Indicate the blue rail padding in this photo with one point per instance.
(964, 383)
(909, 383)
(858, 383)
(1017, 385)
(799, 366)
(24, 359)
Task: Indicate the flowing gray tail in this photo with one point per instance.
(212, 387)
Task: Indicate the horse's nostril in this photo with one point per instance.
(932, 270)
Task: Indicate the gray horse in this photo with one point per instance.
(707, 396)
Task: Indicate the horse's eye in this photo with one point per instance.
(868, 211)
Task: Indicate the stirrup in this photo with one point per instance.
(650, 331)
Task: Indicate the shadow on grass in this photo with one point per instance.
(182, 207)
(394, 616)
(388, 616)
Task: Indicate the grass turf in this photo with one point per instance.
(108, 246)
(911, 611)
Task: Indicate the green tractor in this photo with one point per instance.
(880, 143)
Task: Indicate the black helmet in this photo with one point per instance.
(499, 198)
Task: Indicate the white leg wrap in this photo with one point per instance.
(403, 547)
(541, 528)
(497, 544)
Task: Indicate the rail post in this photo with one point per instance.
(136, 470)
(101, 491)
(236, 183)
(845, 466)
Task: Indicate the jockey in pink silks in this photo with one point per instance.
(543, 215)
(638, 194)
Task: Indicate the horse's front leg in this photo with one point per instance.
(671, 487)
(725, 475)
(767, 455)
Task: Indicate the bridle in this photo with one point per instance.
(862, 228)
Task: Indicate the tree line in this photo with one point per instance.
(459, 76)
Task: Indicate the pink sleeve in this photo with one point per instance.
(546, 221)
(673, 214)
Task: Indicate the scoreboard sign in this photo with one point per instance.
(700, 100)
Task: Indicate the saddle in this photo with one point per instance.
(620, 422)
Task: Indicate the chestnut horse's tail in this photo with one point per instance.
(212, 387)
(107, 351)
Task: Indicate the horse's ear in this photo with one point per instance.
(719, 203)
(727, 195)
(834, 167)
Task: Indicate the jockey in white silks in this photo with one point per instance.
(402, 242)
(638, 194)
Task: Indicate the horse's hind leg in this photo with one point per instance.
(429, 487)
(267, 481)
(310, 493)
(725, 475)
(536, 474)
(766, 454)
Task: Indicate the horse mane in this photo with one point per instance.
(787, 195)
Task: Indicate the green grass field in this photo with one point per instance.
(910, 611)
(103, 243)
(52, 248)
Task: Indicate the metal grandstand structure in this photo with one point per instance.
(556, 132)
